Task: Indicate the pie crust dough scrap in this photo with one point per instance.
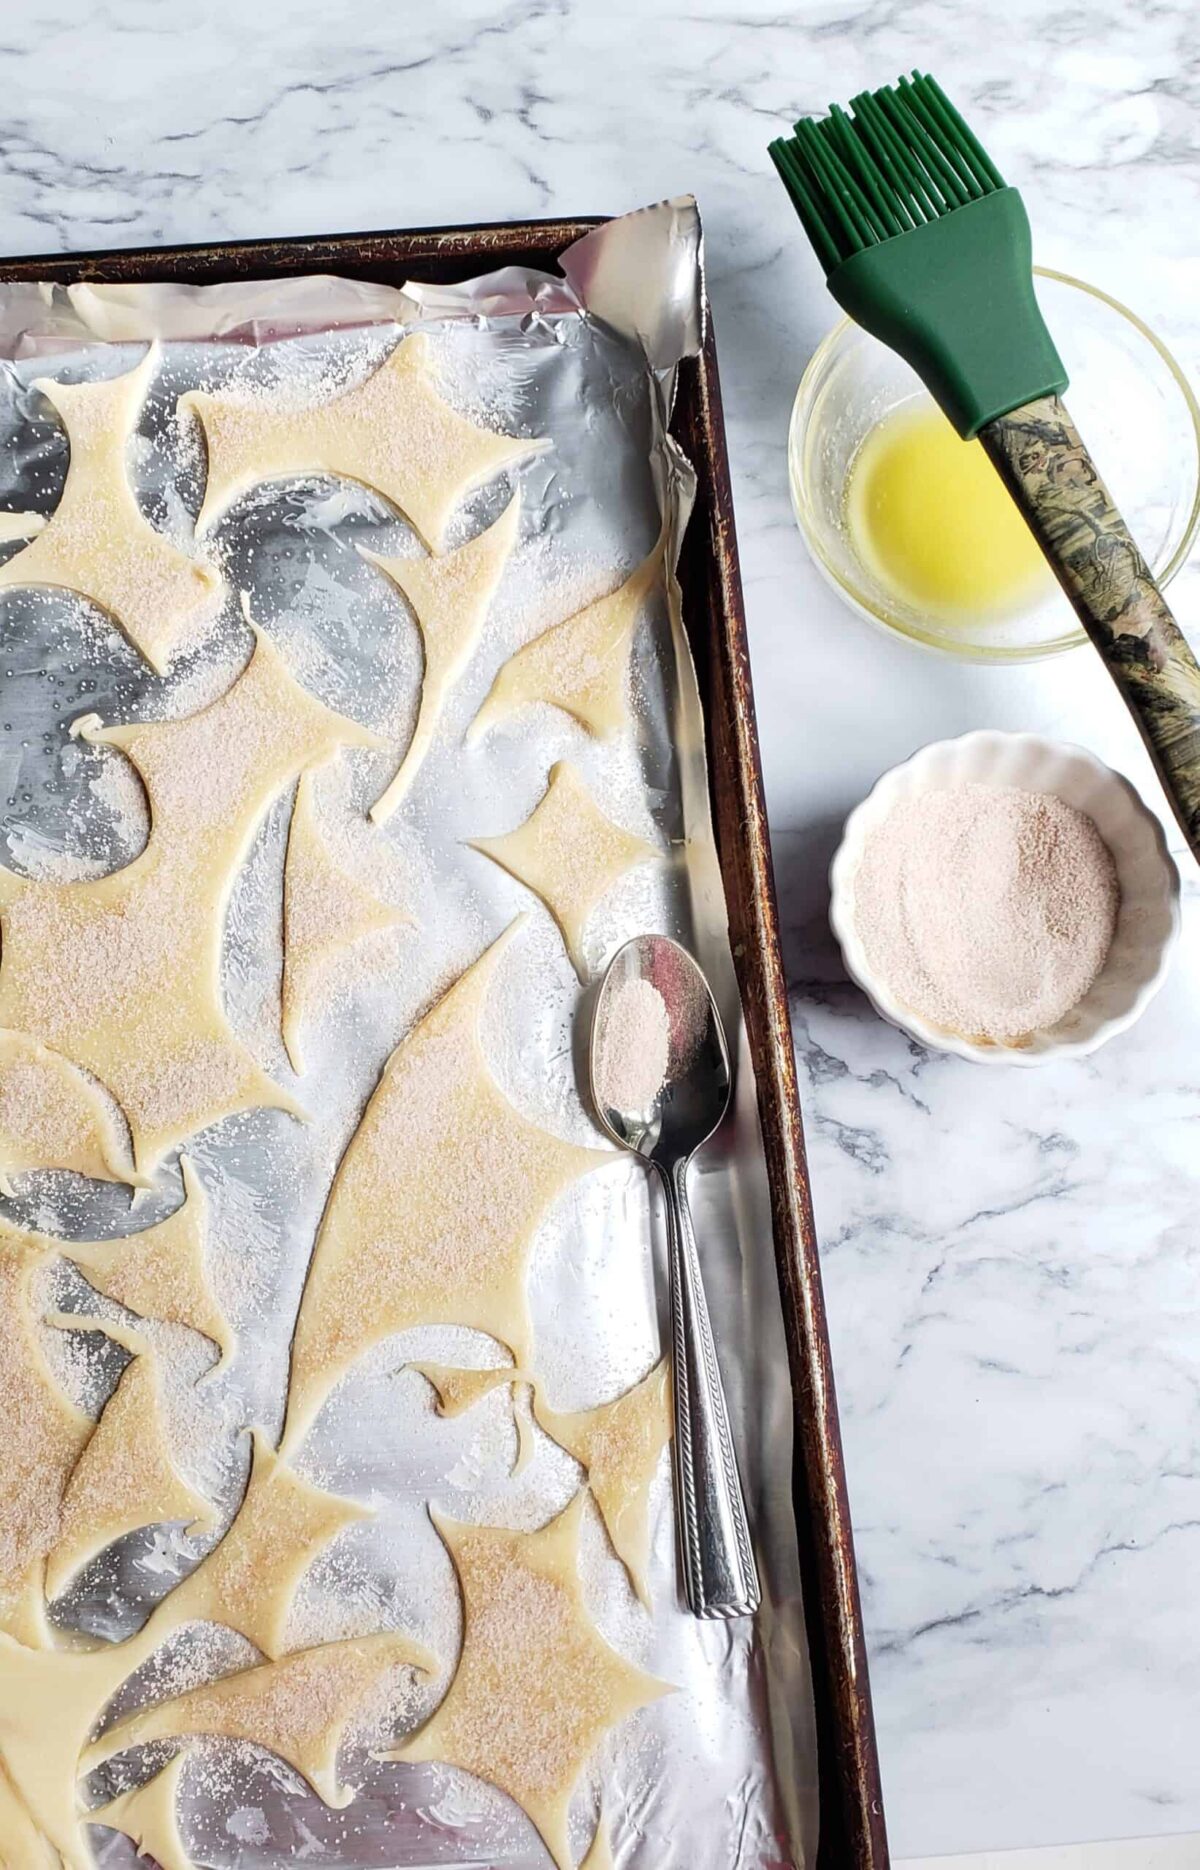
(149, 1817)
(20, 526)
(98, 542)
(159, 1273)
(460, 1390)
(450, 598)
(298, 1708)
(393, 433)
(581, 665)
(249, 1579)
(434, 1205)
(599, 1853)
(53, 1117)
(523, 1416)
(619, 1444)
(44, 1435)
(126, 1336)
(536, 1685)
(568, 853)
(50, 1699)
(121, 973)
(23, 1845)
(124, 1478)
(324, 912)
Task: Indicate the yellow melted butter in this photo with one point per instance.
(930, 518)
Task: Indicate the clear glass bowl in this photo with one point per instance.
(1129, 399)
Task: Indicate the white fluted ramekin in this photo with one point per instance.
(1147, 920)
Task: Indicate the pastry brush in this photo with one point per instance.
(927, 248)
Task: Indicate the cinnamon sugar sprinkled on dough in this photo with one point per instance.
(517, 1610)
(392, 431)
(111, 1000)
(43, 1112)
(190, 1657)
(299, 1707)
(569, 853)
(43, 1436)
(97, 542)
(536, 1685)
(253, 1264)
(117, 785)
(401, 1244)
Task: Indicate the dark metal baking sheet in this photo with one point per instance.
(852, 1829)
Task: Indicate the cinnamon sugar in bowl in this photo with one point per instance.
(1006, 898)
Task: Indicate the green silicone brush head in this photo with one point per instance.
(924, 246)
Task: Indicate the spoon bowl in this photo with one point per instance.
(684, 1031)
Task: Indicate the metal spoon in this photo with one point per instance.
(719, 1575)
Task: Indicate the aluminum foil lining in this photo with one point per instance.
(722, 1772)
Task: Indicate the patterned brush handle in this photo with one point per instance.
(1054, 481)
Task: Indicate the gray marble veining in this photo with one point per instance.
(1013, 1265)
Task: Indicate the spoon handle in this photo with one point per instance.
(719, 1575)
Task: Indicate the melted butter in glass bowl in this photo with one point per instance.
(864, 453)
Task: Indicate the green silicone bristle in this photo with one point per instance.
(924, 245)
(900, 157)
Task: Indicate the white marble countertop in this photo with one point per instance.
(1012, 1260)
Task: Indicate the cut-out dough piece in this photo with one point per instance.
(536, 1685)
(619, 1444)
(50, 1701)
(159, 1273)
(126, 1336)
(450, 598)
(22, 1844)
(523, 1417)
(460, 1390)
(324, 912)
(98, 542)
(599, 1853)
(434, 1205)
(121, 973)
(20, 526)
(52, 1117)
(392, 433)
(249, 1579)
(148, 1816)
(298, 1709)
(568, 853)
(43, 1437)
(124, 1479)
(581, 665)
